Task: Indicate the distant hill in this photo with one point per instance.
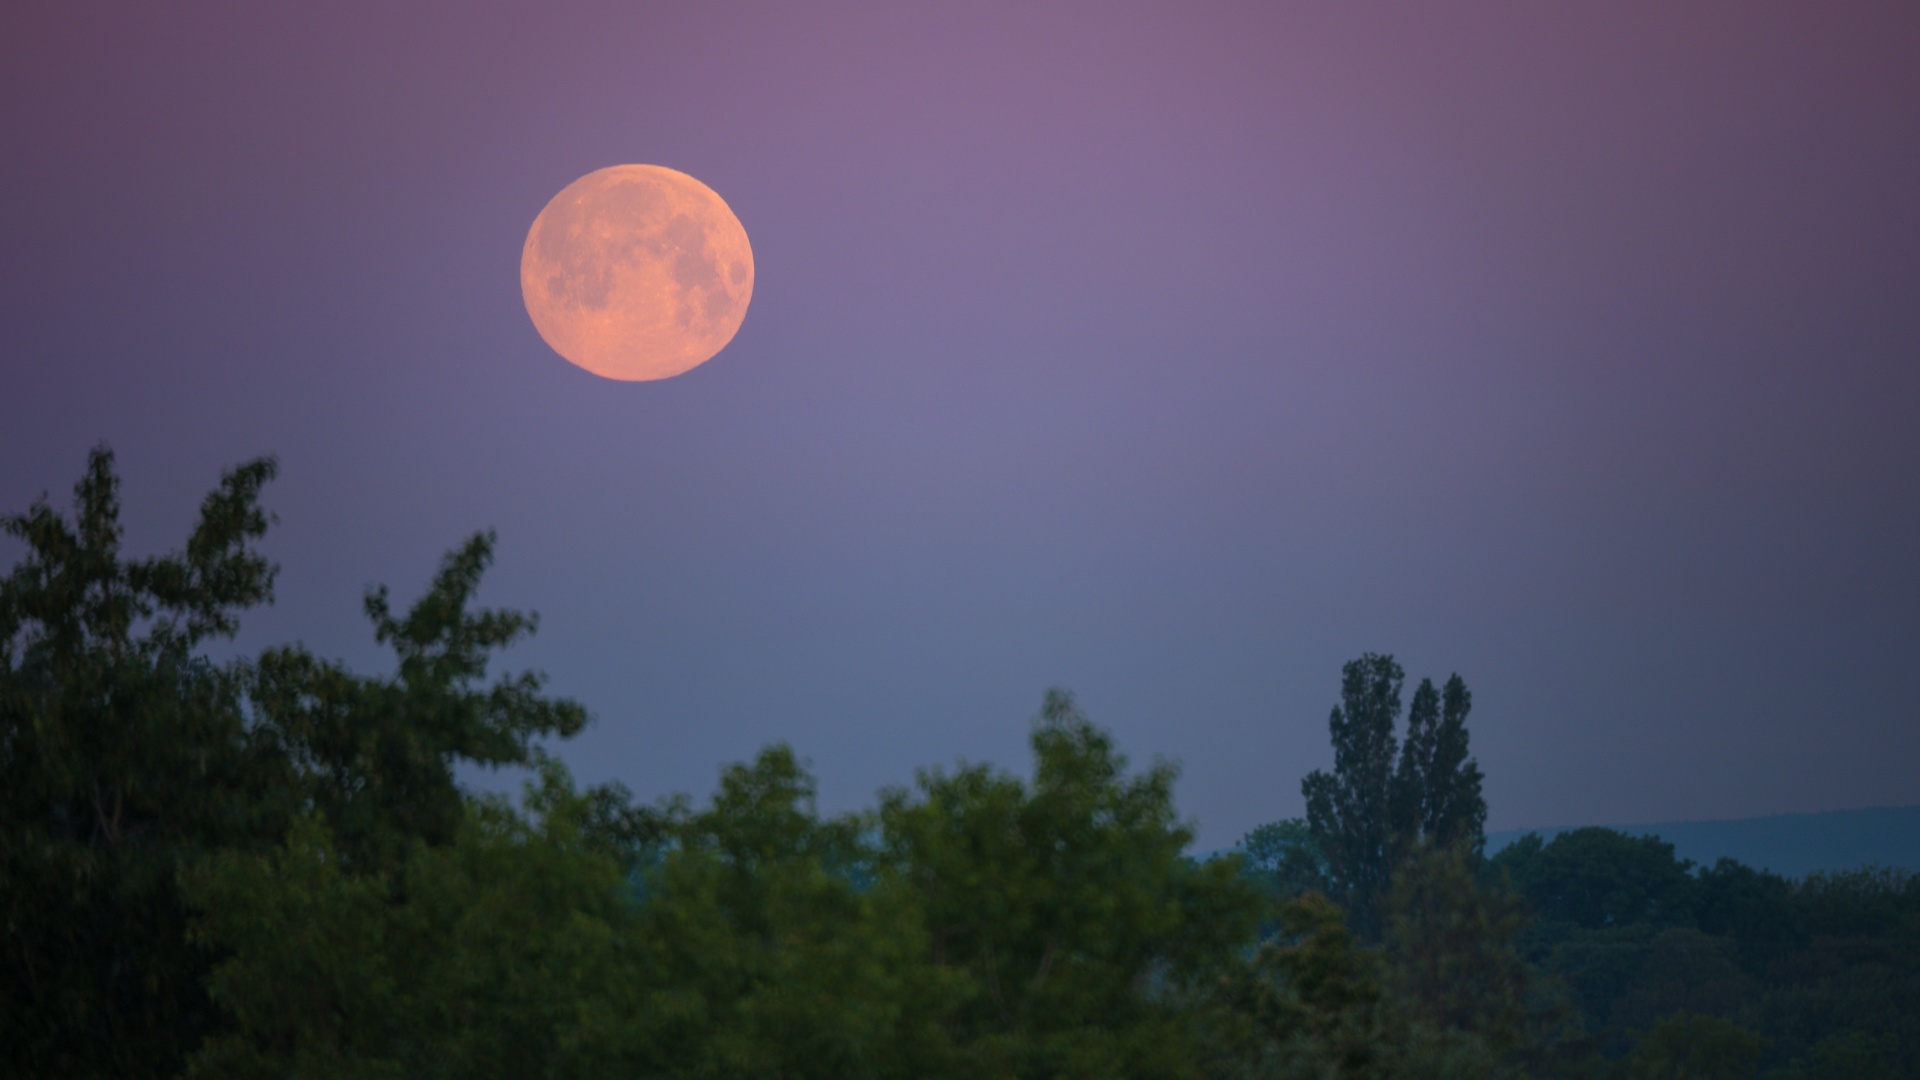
(1791, 845)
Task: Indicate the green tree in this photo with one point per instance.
(1685, 1046)
(1315, 1003)
(127, 758)
(1454, 965)
(496, 955)
(1283, 858)
(1595, 877)
(1307, 1003)
(749, 939)
(123, 755)
(376, 755)
(1064, 909)
(1846, 1055)
(1752, 905)
(769, 946)
(1866, 900)
(1452, 946)
(1367, 814)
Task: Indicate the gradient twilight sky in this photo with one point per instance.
(1175, 354)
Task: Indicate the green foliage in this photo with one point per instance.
(376, 755)
(1753, 906)
(1595, 878)
(1351, 810)
(126, 758)
(765, 947)
(1638, 939)
(1063, 909)
(1315, 1003)
(1307, 1003)
(1283, 859)
(997, 928)
(1847, 1055)
(1863, 901)
(1452, 944)
(485, 957)
(122, 755)
(1632, 976)
(1684, 1046)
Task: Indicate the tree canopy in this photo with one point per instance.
(1064, 907)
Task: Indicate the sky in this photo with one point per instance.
(1175, 354)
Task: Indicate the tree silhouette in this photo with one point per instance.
(1366, 815)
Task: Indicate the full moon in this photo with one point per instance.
(637, 272)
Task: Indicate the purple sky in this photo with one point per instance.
(1172, 354)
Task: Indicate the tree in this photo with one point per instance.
(1685, 1046)
(1307, 1003)
(123, 755)
(376, 755)
(1446, 994)
(127, 758)
(1452, 947)
(1846, 1055)
(767, 946)
(1313, 1002)
(1064, 908)
(1595, 877)
(1437, 787)
(1753, 906)
(1366, 815)
(485, 957)
(1351, 810)
(1282, 856)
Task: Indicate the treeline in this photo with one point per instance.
(1620, 958)
(1823, 973)
(265, 867)
(1657, 967)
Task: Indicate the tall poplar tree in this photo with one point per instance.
(1369, 813)
(1437, 787)
(1350, 811)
